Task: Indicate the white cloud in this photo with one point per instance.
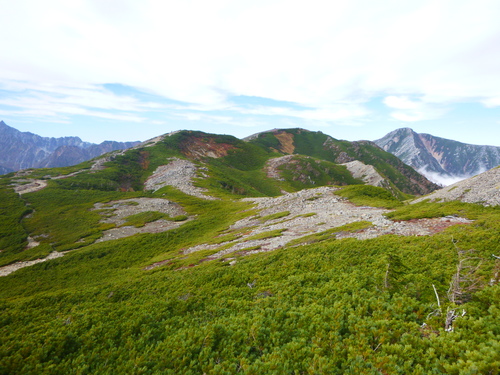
(326, 55)
(442, 179)
(57, 102)
(221, 120)
(492, 102)
(413, 110)
(334, 113)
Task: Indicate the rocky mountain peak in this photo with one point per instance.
(441, 160)
(22, 150)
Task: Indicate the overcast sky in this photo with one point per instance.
(353, 69)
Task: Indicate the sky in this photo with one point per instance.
(130, 70)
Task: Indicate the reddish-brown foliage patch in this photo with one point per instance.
(201, 147)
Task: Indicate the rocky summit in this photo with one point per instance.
(441, 160)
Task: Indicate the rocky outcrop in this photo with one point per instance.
(22, 150)
(366, 173)
(273, 164)
(441, 160)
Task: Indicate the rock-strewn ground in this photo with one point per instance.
(179, 174)
(314, 211)
(483, 188)
(310, 211)
(116, 212)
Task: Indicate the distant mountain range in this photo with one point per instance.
(441, 160)
(22, 150)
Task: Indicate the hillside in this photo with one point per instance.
(439, 159)
(23, 150)
(322, 146)
(197, 253)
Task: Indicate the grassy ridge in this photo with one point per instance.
(321, 146)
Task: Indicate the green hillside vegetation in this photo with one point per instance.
(317, 305)
(13, 237)
(340, 306)
(238, 172)
(321, 146)
(306, 172)
(239, 169)
(141, 219)
(366, 195)
(227, 181)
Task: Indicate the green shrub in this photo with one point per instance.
(142, 218)
(367, 195)
(277, 215)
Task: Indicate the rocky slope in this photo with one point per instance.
(22, 150)
(483, 188)
(439, 159)
(367, 173)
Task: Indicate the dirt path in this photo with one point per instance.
(116, 212)
(24, 185)
(30, 187)
(7, 270)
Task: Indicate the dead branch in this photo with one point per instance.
(451, 315)
(465, 280)
(437, 296)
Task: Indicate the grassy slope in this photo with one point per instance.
(304, 172)
(335, 306)
(404, 178)
(329, 307)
